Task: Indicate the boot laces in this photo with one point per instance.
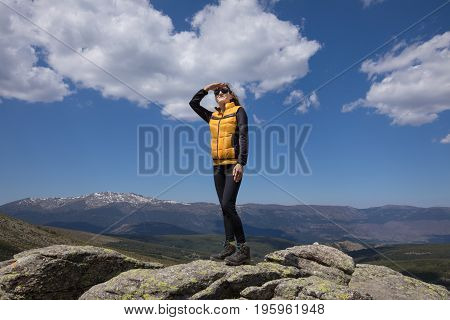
(226, 243)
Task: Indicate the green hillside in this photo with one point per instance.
(17, 235)
(427, 262)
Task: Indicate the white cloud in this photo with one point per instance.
(297, 96)
(234, 41)
(20, 76)
(446, 139)
(368, 3)
(412, 86)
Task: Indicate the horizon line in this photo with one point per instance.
(243, 204)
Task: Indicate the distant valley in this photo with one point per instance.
(428, 262)
(140, 217)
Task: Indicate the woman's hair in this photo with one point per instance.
(235, 98)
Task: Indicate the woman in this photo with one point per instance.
(229, 150)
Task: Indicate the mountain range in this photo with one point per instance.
(137, 216)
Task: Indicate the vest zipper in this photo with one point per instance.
(218, 126)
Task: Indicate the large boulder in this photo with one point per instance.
(239, 278)
(383, 283)
(316, 260)
(62, 271)
(174, 282)
(201, 279)
(310, 288)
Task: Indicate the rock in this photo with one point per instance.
(304, 289)
(238, 278)
(200, 279)
(6, 263)
(174, 282)
(62, 271)
(347, 246)
(318, 260)
(265, 292)
(383, 283)
(315, 288)
(301, 272)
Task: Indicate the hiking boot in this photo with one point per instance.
(228, 250)
(241, 256)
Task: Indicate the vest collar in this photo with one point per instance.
(228, 105)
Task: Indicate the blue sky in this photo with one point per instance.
(380, 131)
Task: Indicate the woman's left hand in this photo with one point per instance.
(238, 171)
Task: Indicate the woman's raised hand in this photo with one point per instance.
(214, 86)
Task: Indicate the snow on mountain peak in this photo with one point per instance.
(97, 199)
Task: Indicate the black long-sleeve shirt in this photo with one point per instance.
(242, 123)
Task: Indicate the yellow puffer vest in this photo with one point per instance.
(223, 135)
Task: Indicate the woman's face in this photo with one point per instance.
(223, 98)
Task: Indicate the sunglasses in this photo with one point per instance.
(223, 90)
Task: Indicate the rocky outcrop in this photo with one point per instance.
(237, 279)
(61, 271)
(316, 260)
(300, 272)
(383, 283)
(303, 288)
(200, 279)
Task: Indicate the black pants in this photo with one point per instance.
(227, 190)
